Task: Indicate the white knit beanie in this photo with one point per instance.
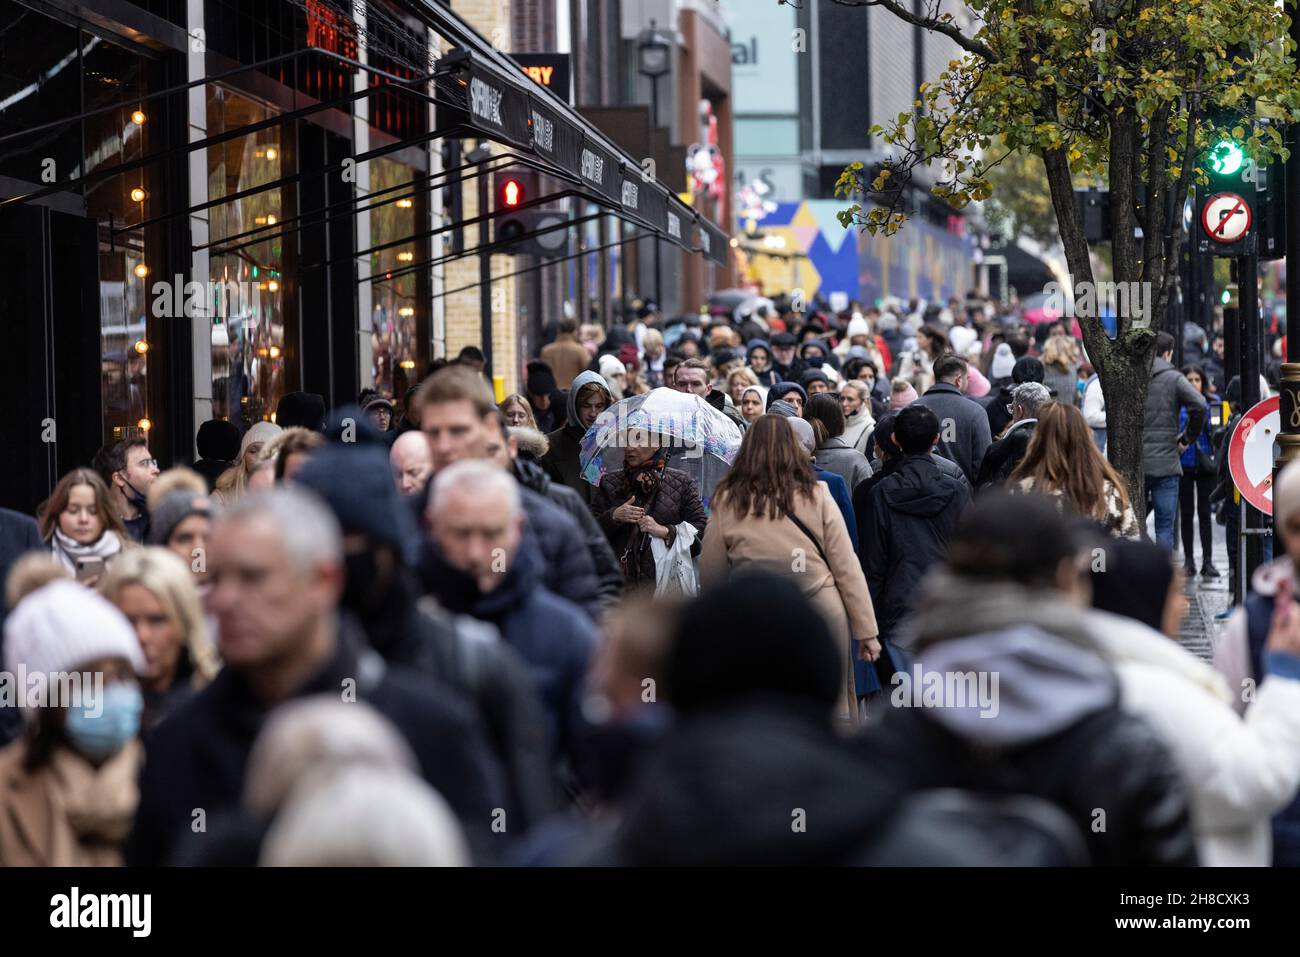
(1004, 361)
(63, 626)
(1286, 493)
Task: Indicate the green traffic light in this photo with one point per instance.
(1226, 297)
(1226, 157)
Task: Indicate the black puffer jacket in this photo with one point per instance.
(567, 565)
(608, 574)
(903, 529)
(677, 500)
(1005, 454)
(1051, 727)
(732, 786)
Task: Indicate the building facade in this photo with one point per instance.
(208, 204)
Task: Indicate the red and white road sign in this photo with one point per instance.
(1226, 217)
(1250, 453)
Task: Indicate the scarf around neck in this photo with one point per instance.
(98, 803)
(67, 551)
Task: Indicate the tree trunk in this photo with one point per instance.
(1128, 373)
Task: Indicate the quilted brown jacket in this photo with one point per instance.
(676, 500)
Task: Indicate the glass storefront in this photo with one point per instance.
(127, 272)
(251, 354)
(48, 70)
(393, 342)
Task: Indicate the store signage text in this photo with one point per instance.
(543, 132)
(674, 225)
(593, 166)
(485, 101)
(630, 195)
(550, 70)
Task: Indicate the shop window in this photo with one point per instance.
(250, 351)
(394, 301)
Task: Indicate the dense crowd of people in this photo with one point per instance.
(913, 616)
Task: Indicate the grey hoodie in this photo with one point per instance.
(1028, 646)
(581, 379)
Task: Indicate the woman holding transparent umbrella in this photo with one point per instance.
(646, 501)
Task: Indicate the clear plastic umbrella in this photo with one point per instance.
(701, 441)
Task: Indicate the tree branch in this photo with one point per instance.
(932, 24)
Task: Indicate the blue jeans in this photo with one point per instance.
(1162, 494)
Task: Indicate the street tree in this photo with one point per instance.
(1131, 92)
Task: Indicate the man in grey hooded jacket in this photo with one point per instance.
(1163, 442)
(588, 397)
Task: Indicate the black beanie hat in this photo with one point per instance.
(756, 634)
(356, 482)
(218, 440)
(540, 378)
(1027, 369)
(305, 409)
(1132, 579)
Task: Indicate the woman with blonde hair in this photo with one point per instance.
(233, 482)
(517, 411)
(81, 526)
(1061, 368)
(155, 591)
(1062, 461)
(737, 381)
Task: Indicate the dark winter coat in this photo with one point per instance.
(1005, 454)
(676, 500)
(842, 499)
(567, 566)
(609, 576)
(1057, 730)
(561, 460)
(722, 789)
(904, 524)
(198, 756)
(995, 407)
(415, 632)
(969, 428)
(551, 634)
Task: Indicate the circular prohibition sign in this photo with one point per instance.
(1250, 453)
(1226, 217)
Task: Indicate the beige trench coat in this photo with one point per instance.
(838, 591)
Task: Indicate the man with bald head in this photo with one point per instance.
(412, 462)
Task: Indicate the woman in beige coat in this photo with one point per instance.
(757, 511)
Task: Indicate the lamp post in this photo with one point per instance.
(654, 59)
(1289, 438)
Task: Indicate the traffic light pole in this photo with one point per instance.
(1254, 525)
(1289, 396)
(484, 281)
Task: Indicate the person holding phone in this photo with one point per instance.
(80, 526)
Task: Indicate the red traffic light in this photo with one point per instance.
(512, 193)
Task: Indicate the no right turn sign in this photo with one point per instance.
(1226, 217)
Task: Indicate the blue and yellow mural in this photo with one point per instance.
(820, 256)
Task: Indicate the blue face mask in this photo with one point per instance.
(99, 733)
